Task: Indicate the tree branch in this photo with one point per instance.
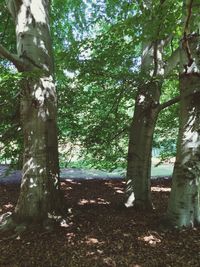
(118, 134)
(169, 103)
(4, 53)
(172, 61)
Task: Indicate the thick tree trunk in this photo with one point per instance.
(184, 204)
(140, 145)
(40, 195)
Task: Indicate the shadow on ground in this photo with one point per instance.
(100, 231)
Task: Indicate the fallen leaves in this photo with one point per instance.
(101, 232)
(151, 239)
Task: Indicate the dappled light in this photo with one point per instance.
(100, 112)
(7, 206)
(97, 231)
(118, 189)
(99, 201)
(92, 241)
(70, 237)
(160, 189)
(70, 181)
(151, 239)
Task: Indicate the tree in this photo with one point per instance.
(40, 196)
(184, 203)
(105, 70)
(100, 46)
(147, 103)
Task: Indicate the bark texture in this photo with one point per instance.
(140, 144)
(184, 204)
(142, 127)
(145, 116)
(40, 195)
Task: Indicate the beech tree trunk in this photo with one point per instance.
(143, 125)
(145, 116)
(140, 145)
(39, 195)
(184, 203)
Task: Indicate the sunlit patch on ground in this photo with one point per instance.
(98, 234)
(92, 240)
(70, 181)
(70, 237)
(99, 201)
(65, 224)
(151, 239)
(8, 206)
(160, 189)
(119, 188)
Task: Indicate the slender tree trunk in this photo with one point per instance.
(140, 145)
(39, 194)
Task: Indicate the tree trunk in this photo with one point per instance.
(184, 204)
(140, 145)
(40, 193)
(143, 125)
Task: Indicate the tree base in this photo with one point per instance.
(9, 223)
(138, 204)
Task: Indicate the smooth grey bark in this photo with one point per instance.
(140, 144)
(184, 203)
(143, 125)
(145, 115)
(147, 108)
(40, 195)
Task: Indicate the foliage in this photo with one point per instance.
(166, 132)
(102, 79)
(11, 140)
(97, 50)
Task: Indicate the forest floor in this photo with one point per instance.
(100, 231)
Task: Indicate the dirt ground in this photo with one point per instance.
(100, 231)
